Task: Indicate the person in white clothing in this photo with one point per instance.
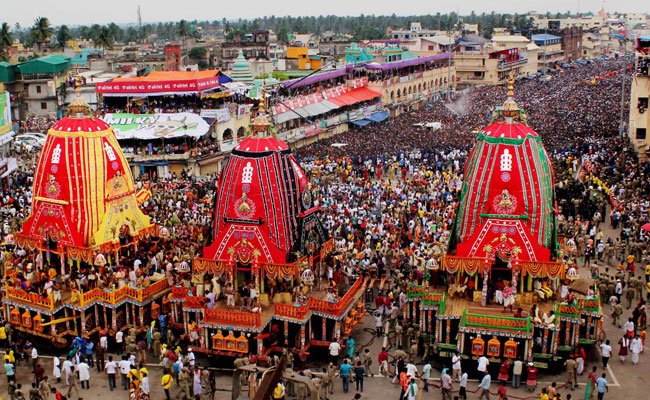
(56, 371)
(334, 350)
(84, 374)
(411, 369)
(456, 367)
(636, 347)
(67, 365)
(34, 358)
(628, 328)
(411, 392)
(191, 359)
(483, 363)
(144, 383)
(119, 340)
(103, 341)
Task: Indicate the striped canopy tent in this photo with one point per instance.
(84, 196)
(506, 207)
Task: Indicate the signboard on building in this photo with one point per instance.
(5, 113)
(157, 126)
(221, 115)
(241, 111)
(157, 87)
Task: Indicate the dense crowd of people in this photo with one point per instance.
(389, 193)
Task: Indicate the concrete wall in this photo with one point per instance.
(637, 119)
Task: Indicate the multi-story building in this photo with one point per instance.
(333, 48)
(555, 24)
(427, 46)
(378, 51)
(300, 58)
(550, 50)
(479, 61)
(572, 42)
(408, 84)
(415, 31)
(639, 120)
(636, 20)
(40, 86)
(255, 46)
(592, 46)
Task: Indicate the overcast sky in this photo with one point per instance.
(125, 11)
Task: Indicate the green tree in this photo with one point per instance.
(279, 75)
(6, 40)
(41, 32)
(63, 35)
(283, 34)
(183, 29)
(116, 31)
(198, 53)
(131, 35)
(94, 32)
(105, 39)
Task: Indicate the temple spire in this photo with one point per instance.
(262, 124)
(78, 107)
(510, 110)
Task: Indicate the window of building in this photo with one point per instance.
(43, 105)
(38, 89)
(640, 133)
(642, 104)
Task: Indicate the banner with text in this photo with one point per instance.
(157, 126)
(221, 115)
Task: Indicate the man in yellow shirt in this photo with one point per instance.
(647, 289)
(3, 337)
(166, 383)
(647, 273)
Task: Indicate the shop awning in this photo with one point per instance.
(310, 110)
(378, 116)
(291, 115)
(320, 108)
(354, 96)
(164, 83)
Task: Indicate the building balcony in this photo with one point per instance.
(156, 157)
(550, 53)
(507, 65)
(470, 68)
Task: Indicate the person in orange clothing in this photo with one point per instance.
(404, 380)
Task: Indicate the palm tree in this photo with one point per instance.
(183, 29)
(41, 32)
(6, 40)
(63, 35)
(104, 39)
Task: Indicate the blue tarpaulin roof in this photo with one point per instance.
(361, 122)
(378, 116)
